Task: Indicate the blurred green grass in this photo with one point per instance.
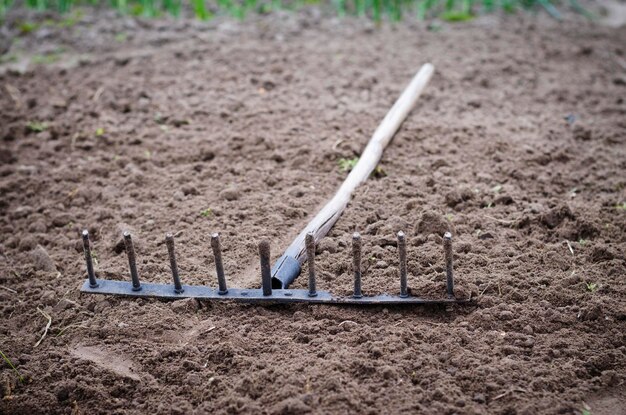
(378, 10)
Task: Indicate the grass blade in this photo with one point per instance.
(552, 11)
(200, 10)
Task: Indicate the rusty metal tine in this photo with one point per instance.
(447, 247)
(402, 258)
(89, 260)
(266, 273)
(356, 264)
(132, 263)
(310, 253)
(219, 265)
(169, 241)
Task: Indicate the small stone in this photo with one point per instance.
(41, 260)
(230, 193)
(381, 264)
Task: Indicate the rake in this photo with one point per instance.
(275, 281)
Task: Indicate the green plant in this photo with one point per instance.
(47, 58)
(17, 372)
(347, 164)
(621, 206)
(592, 286)
(206, 212)
(379, 172)
(36, 126)
(27, 27)
(394, 10)
(200, 10)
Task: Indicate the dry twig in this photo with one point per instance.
(49, 317)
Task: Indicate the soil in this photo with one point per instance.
(517, 146)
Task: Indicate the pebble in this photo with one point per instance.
(41, 260)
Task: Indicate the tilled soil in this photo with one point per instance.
(517, 146)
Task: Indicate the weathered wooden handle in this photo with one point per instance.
(287, 268)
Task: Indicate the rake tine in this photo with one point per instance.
(356, 264)
(169, 241)
(132, 264)
(310, 253)
(402, 254)
(88, 259)
(447, 247)
(219, 266)
(266, 274)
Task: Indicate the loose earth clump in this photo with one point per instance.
(517, 146)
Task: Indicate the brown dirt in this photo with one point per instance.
(249, 120)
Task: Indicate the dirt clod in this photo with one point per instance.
(188, 305)
(230, 193)
(432, 223)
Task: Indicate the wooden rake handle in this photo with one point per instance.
(287, 268)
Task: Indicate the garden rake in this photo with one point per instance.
(275, 280)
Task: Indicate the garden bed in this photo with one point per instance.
(517, 146)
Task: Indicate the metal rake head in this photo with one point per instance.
(266, 294)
